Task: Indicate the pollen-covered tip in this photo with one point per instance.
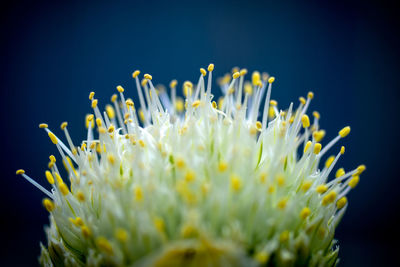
(20, 171)
(344, 132)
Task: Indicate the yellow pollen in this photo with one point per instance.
(310, 95)
(180, 163)
(273, 103)
(111, 158)
(248, 89)
(284, 236)
(203, 72)
(94, 103)
(354, 181)
(48, 204)
(341, 203)
(135, 73)
(329, 161)
(129, 103)
(159, 224)
(307, 146)
(121, 235)
(236, 75)
(120, 89)
(282, 203)
(173, 83)
(271, 79)
(63, 189)
(340, 172)
(114, 98)
(98, 122)
(243, 72)
(302, 100)
(196, 103)
(305, 212)
(222, 166)
(64, 125)
(360, 169)
(20, 171)
(144, 82)
(236, 184)
(91, 95)
(342, 149)
(306, 185)
(86, 231)
(318, 135)
(214, 104)
(255, 78)
(321, 189)
(138, 193)
(344, 132)
(317, 148)
(148, 77)
(43, 125)
(263, 177)
(58, 178)
(190, 176)
(316, 115)
(111, 128)
(210, 67)
(258, 125)
(80, 196)
(329, 198)
(262, 257)
(280, 179)
(53, 138)
(179, 106)
(104, 245)
(305, 120)
(49, 177)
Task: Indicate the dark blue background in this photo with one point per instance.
(53, 54)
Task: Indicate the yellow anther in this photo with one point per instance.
(110, 112)
(86, 231)
(121, 235)
(235, 69)
(243, 72)
(190, 176)
(236, 75)
(271, 112)
(305, 212)
(360, 169)
(120, 89)
(342, 149)
(354, 181)
(114, 98)
(307, 146)
(271, 189)
(282, 203)
(92, 146)
(63, 189)
(321, 189)
(329, 198)
(318, 135)
(20, 172)
(214, 104)
(135, 73)
(255, 78)
(280, 179)
(236, 184)
(302, 100)
(203, 72)
(196, 103)
(263, 177)
(210, 67)
(148, 77)
(173, 83)
(187, 91)
(284, 236)
(310, 95)
(58, 178)
(80, 196)
(64, 125)
(104, 245)
(262, 257)
(179, 105)
(189, 231)
(340, 172)
(50, 165)
(259, 83)
(316, 115)
(258, 125)
(43, 125)
(291, 120)
(180, 163)
(111, 129)
(159, 224)
(144, 82)
(305, 120)
(138, 193)
(222, 166)
(273, 103)
(341, 202)
(317, 148)
(344, 132)
(142, 143)
(91, 95)
(53, 138)
(271, 79)
(329, 161)
(48, 204)
(220, 102)
(79, 221)
(94, 103)
(129, 103)
(49, 177)
(306, 185)
(248, 89)
(111, 158)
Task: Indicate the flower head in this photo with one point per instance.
(196, 182)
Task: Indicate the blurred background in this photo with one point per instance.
(53, 54)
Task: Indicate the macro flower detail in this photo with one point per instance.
(196, 182)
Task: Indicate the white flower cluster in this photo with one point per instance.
(196, 183)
